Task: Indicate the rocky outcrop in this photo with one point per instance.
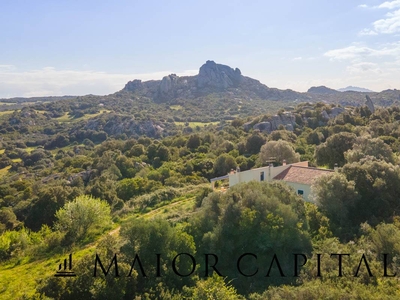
(287, 120)
(263, 126)
(116, 125)
(173, 87)
(334, 113)
(168, 83)
(369, 103)
(212, 78)
(325, 115)
(134, 85)
(218, 76)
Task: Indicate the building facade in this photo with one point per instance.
(299, 176)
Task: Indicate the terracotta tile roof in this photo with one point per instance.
(302, 175)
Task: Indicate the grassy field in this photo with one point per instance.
(7, 112)
(175, 210)
(176, 107)
(195, 124)
(7, 103)
(18, 280)
(4, 171)
(67, 118)
(27, 149)
(40, 111)
(30, 149)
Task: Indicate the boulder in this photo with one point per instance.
(336, 111)
(263, 126)
(168, 83)
(289, 127)
(287, 120)
(325, 115)
(370, 104)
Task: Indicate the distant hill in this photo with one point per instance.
(217, 92)
(321, 90)
(355, 89)
(223, 82)
(212, 78)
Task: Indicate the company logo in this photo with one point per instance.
(65, 269)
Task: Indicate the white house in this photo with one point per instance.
(298, 175)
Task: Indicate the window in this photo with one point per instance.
(261, 176)
(300, 192)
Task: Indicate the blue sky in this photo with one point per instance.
(81, 47)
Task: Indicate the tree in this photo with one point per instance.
(256, 218)
(366, 146)
(282, 135)
(193, 142)
(163, 153)
(146, 238)
(281, 150)
(77, 217)
(254, 143)
(129, 187)
(336, 197)
(137, 150)
(8, 220)
(42, 208)
(224, 164)
(315, 137)
(214, 288)
(366, 191)
(332, 151)
(378, 184)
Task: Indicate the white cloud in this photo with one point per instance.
(390, 4)
(387, 4)
(49, 81)
(388, 25)
(367, 31)
(350, 52)
(360, 52)
(297, 58)
(375, 67)
(6, 67)
(362, 67)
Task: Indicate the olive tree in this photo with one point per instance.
(366, 146)
(280, 150)
(77, 217)
(332, 151)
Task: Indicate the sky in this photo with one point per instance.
(52, 48)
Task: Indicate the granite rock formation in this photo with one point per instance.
(369, 103)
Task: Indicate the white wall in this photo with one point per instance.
(299, 186)
(269, 174)
(254, 174)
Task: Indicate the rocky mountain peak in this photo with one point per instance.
(212, 78)
(134, 85)
(218, 76)
(168, 82)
